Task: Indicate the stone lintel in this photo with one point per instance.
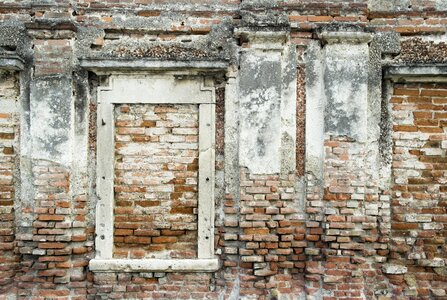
(49, 29)
(272, 40)
(141, 64)
(346, 37)
(416, 73)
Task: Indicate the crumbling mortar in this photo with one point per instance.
(419, 51)
(218, 44)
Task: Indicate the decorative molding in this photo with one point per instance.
(145, 64)
(416, 73)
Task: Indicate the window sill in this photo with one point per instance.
(154, 265)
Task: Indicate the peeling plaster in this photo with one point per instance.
(346, 86)
(260, 93)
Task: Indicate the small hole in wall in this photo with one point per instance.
(102, 237)
(207, 237)
(9, 48)
(95, 47)
(410, 6)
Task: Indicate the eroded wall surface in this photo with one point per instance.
(323, 121)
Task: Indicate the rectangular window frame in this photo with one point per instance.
(156, 88)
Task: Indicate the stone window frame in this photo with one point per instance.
(167, 87)
(404, 73)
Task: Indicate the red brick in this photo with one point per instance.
(164, 239)
(50, 218)
(51, 245)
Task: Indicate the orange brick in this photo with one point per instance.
(50, 218)
(164, 239)
(406, 92)
(51, 245)
(320, 18)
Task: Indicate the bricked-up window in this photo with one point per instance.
(155, 174)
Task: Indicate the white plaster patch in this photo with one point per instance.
(49, 142)
(260, 136)
(315, 100)
(346, 81)
(260, 112)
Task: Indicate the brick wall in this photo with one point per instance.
(46, 253)
(156, 167)
(341, 234)
(418, 192)
(352, 243)
(153, 285)
(9, 131)
(272, 256)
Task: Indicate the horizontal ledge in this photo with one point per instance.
(152, 265)
(11, 63)
(416, 72)
(115, 102)
(149, 64)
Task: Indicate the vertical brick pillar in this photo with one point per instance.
(350, 196)
(9, 138)
(46, 223)
(314, 157)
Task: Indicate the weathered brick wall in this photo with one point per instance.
(46, 261)
(336, 227)
(154, 285)
(9, 137)
(156, 181)
(272, 234)
(352, 211)
(418, 209)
